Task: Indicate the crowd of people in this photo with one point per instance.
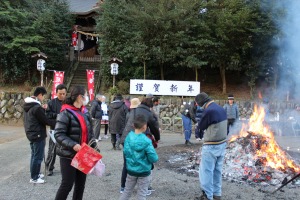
(133, 126)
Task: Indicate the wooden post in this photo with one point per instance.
(78, 45)
(42, 77)
(114, 79)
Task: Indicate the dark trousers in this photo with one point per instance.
(50, 161)
(97, 127)
(124, 173)
(113, 139)
(105, 129)
(198, 133)
(70, 175)
(230, 122)
(37, 156)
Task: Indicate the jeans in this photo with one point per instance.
(187, 126)
(70, 175)
(37, 155)
(131, 181)
(210, 170)
(124, 173)
(50, 161)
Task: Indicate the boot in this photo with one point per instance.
(188, 143)
(216, 197)
(114, 146)
(203, 196)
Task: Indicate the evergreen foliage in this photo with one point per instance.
(167, 36)
(28, 27)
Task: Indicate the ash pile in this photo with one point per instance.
(258, 159)
(185, 162)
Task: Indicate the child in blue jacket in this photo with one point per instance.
(140, 156)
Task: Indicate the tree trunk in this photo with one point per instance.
(223, 77)
(196, 70)
(162, 72)
(144, 70)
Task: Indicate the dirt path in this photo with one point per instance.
(10, 133)
(169, 181)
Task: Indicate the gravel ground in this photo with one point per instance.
(169, 183)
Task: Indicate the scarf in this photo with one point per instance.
(78, 113)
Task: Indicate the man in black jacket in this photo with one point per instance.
(35, 122)
(96, 113)
(117, 117)
(52, 111)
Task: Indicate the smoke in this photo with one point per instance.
(287, 18)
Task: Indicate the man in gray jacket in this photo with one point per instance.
(96, 113)
(117, 117)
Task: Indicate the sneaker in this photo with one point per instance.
(100, 138)
(39, 180)
(150, 189)
(41, 176)
(105, 137)
(122, 190)
(148, 193)
(118, 148)
(216, 197)
(199, 139)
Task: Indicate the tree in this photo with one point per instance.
(232, 26)
(229, 35)
(260, 60)
(31, 26)
(160, 31)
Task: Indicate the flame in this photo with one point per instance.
(275, 157)
(259, 95)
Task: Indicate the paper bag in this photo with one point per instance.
(86, 158)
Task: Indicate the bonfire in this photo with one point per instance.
(254, 156)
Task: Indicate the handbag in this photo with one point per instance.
(151, 137)
(98, 169)
(86, 158)
(51, 134)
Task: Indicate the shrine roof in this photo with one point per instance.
(83, 7)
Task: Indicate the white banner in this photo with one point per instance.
(158, 87)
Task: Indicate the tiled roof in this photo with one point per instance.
(82, 7)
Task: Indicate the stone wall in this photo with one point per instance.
(11, 107)
(245, 107)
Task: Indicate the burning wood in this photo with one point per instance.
(254, 156)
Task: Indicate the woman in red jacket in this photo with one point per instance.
(73, 128)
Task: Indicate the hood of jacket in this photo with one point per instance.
(29, 103)
(116, 104)
(138, 143)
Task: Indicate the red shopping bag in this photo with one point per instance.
(86, 158)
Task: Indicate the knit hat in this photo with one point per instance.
(230, 97)
(135, 102)
(149, 95)
(155, 99)
(202, 98)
